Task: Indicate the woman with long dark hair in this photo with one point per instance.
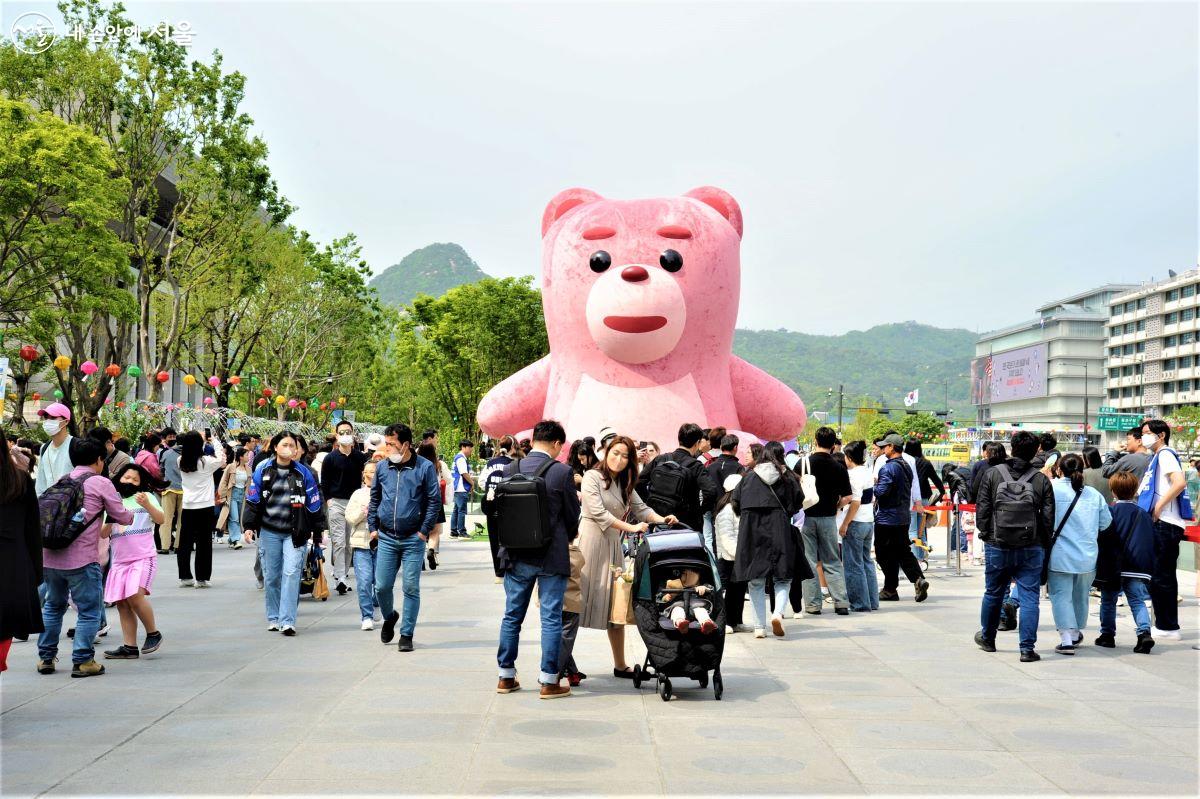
(1093, 474)
(1080, 513)
(765, 502)
(609, 497)
(198, 519)
(928, 479)
(581, 458)
(20, 554)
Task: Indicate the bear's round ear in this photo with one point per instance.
(564, 201)
(722, 202)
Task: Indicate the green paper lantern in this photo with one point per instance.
(253, 381)
(58, 394)
(134, 371)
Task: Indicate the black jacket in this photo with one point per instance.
(563, 500)
(20, 565)
(721, 467)
(928, 479)
(693, 505)
(978, 469)
(768, 542)
(1043, 493)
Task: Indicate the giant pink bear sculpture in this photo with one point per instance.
(641, 300)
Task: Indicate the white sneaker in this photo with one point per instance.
(273, 627)
(186, 583)
(797, 614)
(1172, 634)
(203, 584)
(368, 624)
(759, 632)
(729, 630)
(237, 544)
(103, 631)
(743, 628)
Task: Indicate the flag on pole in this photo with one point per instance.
(912, 398)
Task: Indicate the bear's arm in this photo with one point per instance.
(517, 403)
(766, 407)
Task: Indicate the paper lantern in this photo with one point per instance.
(189, 380)
(303, 405)
(29, 353)
(108, 400)
(333, 405)
(341, 400)
(62, 363)
(89, 368)
(120, 404)
(279, 400)
(187, 404)
(324, 406)
(214, 381)
(267, 392)
(253, 380)
(58, 394)
(292, 403)
(36, 396)
(262, 401)
(234, 380)
(161, 377)
(136, 371)
(112, 370)
(208, 400)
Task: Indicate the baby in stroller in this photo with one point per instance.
(689, 605)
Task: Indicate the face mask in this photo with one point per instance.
(395, 457)
(1148, 440)
(345, 441)
(127, 489)
(51, 426)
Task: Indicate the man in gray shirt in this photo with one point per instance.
(1135, 459)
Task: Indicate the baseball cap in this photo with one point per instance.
(56, 409)
(894, 439)
(606, 434)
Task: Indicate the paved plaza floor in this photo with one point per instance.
(894, 702)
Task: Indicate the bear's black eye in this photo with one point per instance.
(670, 260)
(600, 261)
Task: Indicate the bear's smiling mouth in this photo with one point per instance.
(635, 324)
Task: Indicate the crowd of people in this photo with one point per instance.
(792, 533)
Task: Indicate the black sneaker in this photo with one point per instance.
(842, 611)
(1065, 649)
(405, 644)
(289, 631)
(922, 587)
(1029, 656)
(1008, 618)
(431, 556)
(152, 643)
(1144, 645)
(1106, 640)
(71, 632)
(342, 589)
(123, 652)
(888, 596)
(389, 627)
(1077, 640)
(984, 644)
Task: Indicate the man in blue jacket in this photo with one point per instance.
(405, 498)
(893, 504)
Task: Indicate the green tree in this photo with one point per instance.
(924, 426)
(471, 338)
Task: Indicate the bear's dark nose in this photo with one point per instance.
(634, 274)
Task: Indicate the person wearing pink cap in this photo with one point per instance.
(54, 461)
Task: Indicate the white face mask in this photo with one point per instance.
(51, 426)
(1148, 440)
(395, 457)
(345, 440)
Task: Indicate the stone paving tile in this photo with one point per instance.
(599, 767)
(1120, 774)
(955, 771)
(891, 733)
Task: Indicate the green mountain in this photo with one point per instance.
(432, 270)
(881, 364)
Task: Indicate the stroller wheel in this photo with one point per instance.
(664, 689)
(718, 684)
(703, 680)
(637, 676)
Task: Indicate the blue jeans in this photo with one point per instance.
(86, 587)
(914, 531)
(862, 585)
(458, 517)
(364, 581)
(282, 567)
(1002, 566)
(403, 555)
(234, 522)
(758, 599)
(959, 536)
(1137, 594)
(518, 589)
(1069, 598)
(709, 534)
(820, 537)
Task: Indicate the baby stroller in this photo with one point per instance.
(669, 652)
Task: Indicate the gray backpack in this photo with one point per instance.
(1014, 509)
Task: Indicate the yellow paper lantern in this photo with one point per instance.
(62, 362)
(341, 400)
(189, 380)
(280, 399)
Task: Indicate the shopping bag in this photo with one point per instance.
(321, 586)
(622, 600)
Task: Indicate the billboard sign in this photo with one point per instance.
(1015, 375)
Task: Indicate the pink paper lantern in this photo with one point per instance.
(214, 381)
(292, 403)
(89, 368)
(208, 400)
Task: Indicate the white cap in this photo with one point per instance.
(374, 442)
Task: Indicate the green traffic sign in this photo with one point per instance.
(1117, 421)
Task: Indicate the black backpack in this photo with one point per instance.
(668, 486)
(61, 509)
(518, 510)
(1014, 509)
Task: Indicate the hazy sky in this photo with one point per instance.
(954, 163)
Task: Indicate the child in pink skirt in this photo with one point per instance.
(134, 560)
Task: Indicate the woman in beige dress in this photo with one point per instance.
(608, 496)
